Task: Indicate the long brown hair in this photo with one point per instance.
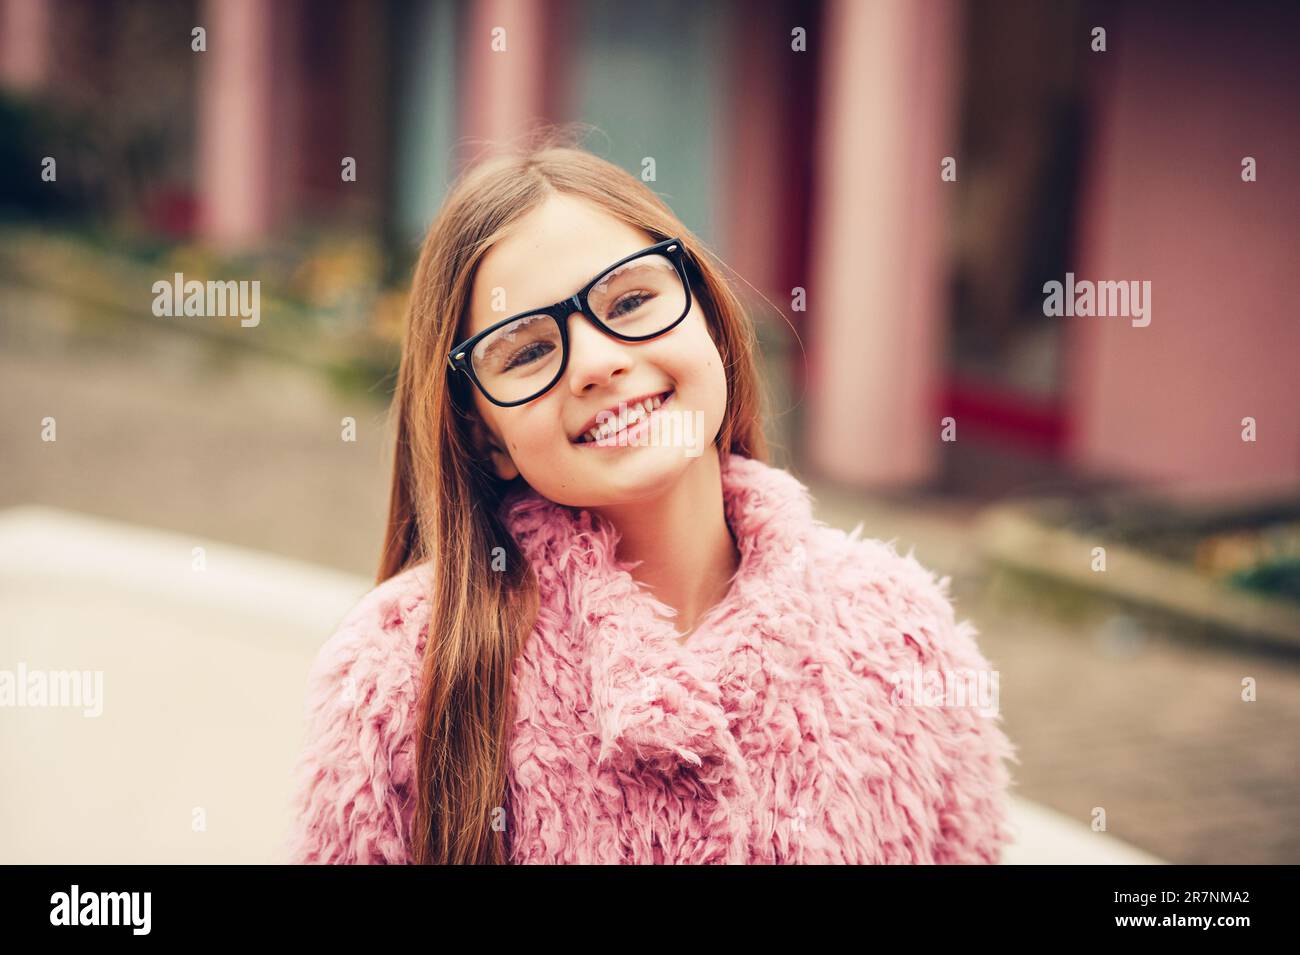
(445, 495)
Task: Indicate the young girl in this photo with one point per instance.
(605, 630)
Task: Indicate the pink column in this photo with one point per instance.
(876, 298)
(503, 92)
(24, 43)
(235, 155)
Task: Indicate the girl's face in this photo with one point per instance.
(554, 251)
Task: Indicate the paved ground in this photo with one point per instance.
(165, 431)
(162, 431)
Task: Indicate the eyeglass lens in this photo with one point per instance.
(521, 359)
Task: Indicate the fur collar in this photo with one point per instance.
(654, 699)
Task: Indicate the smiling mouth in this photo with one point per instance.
(633, 415)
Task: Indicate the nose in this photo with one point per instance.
(594, 357)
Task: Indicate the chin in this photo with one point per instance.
(652, 477)
(652, 473)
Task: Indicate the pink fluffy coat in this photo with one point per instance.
(778, 734)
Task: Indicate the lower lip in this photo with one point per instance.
(628, 437)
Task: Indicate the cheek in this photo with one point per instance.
(539, 448)
(700, 357)
(711, 383)
(535, 433)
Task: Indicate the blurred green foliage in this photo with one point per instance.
(1277, 577)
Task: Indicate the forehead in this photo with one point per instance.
(551, 253)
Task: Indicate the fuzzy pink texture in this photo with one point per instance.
(775, 735)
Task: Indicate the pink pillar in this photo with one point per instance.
(235, 154)
(503, 92)
(1184, 99)
(876, 299)
(24, 44)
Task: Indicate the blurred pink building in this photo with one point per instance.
(806, 141)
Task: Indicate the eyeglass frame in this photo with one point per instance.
(671, 249)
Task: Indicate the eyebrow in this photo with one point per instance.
(540, 308)
(495, 345)
(518, 316)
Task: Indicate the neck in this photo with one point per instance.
(681, 539)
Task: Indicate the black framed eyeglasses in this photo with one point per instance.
(520, 358)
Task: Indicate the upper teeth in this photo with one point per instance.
(627, 416)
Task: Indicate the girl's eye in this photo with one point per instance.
(629, 303)
(529, 354)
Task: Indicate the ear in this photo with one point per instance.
(486, 444)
